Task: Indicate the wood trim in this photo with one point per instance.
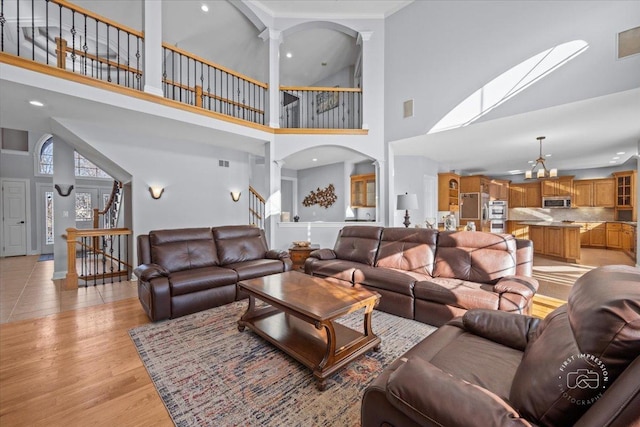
(101, 84)
(214, 65)
(100, 18)
(322, 89)
(113, 64)
(255, 193)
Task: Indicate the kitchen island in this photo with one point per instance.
(560, 240)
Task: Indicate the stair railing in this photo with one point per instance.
(256, 208)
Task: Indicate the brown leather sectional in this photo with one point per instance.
(428, 275)
(183, 271)
(580, 366)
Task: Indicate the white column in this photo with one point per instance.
(153, 47)
(64, 207)
(275, 38)
(367, 68)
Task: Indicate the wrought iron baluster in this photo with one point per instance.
(117, 56)
(18, 27)
(46, 29)
(138, 74)
(73, 41)
(85, 47)
(106, 54)
(2, 21)
(33, 32)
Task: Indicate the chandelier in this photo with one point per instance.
(542, 172)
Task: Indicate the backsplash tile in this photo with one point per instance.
(575, 214)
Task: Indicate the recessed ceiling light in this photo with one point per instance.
(612, 161)
(289, 55)
(530, 162)
(515, 172)
(314, 160)
(36, 103)
(547, 155)
(204, 8)
(620, 153)
(616, 158)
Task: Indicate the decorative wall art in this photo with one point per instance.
(326, 101)
(325, 197)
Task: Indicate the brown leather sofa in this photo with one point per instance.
(183, 271)
(428, 275)
(580, 366)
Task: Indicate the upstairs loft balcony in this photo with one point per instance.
(51, 36)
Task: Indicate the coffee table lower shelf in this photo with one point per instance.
(309, 344)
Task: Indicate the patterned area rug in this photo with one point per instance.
(210, 374)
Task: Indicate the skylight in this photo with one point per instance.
(509, 84)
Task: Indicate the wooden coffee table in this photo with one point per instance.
(299, 320)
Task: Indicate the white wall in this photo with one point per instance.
(415, 175)
(440, 52)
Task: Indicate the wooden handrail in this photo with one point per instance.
(214, 65)
(255, 193)
(97, 17)
(321, 89)
(208, 94)
(112, 198)
(114, 64)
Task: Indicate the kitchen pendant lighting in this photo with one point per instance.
(542, 172)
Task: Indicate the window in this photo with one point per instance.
(84, 212)
(83, 167)
(48, 206)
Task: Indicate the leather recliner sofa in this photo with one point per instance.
(578, 367)
(187, 270)
(431, 276)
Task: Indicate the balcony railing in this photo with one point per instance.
(63, 35)
(196, 81)
(320, 107)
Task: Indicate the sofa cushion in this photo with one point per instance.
(580, 349)
(358, 244)
(238, 243)
(199, 279)
(411, 249)
(183, 249)
(256, 268)
(457, 293)
(476, 257)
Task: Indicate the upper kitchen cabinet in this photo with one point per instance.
(561, 186)
(363, 191)
(448, 192)
(525, 195)
(499, 189)
(474, 184)
(600, 193)
(625, 204)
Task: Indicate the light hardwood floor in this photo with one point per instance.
(66, 358)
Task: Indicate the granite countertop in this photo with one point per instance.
(551, 224)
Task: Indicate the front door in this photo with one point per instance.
(14, 213)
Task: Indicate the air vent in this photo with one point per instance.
(408, 108)
(629, 42)
(223, 163)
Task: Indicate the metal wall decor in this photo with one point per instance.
(325, 197)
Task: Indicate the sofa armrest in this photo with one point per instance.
(430, 396)
(323, 254)
(510, 329)
(521, 285)
(146, 272)
(276, 254)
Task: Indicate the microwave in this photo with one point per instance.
(556, 202)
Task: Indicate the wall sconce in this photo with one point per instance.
(156, 192)
(63, 193)
(235, 195)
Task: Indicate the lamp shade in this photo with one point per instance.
(407, 201)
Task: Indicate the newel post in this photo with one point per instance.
(199, 96)
(61, 52)
(71, 281)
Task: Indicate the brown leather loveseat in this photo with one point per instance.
(183, 271)
(580, 366)
(428, 275)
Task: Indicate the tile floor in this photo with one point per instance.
(27, 291)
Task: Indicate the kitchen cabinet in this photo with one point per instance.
(363, 190)
(474, 184)
(628, 240)
(594, 193)
(556, 241)
(520, 231)
(614, 235)
(448, 192)
(625, 206)
(553, 187)
(593, 234)
(526, 195)
(499, 189)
